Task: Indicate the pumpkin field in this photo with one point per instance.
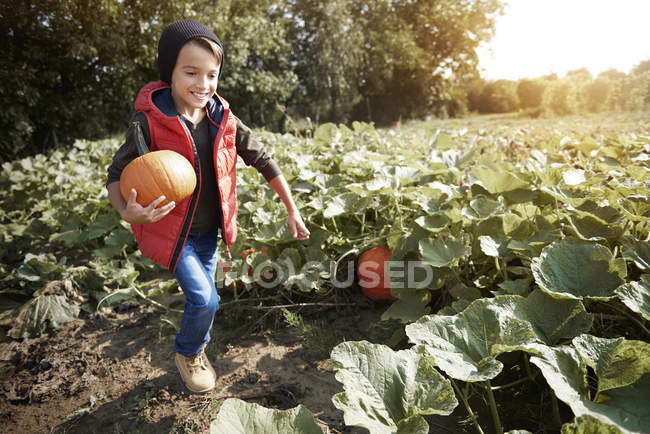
(518, 272)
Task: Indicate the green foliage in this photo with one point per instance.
(530, 93)
(72, 68)
(258, 73)
(578, 269)
(499, 97)
(588, 424)
(466, 345)
(576, 92)
(565, 370)
(631, 92)
(328, 54)
(239, 417)
(534, 235)
(317, 336)
(561, 97)
(387, 391)
(636, 296)
(596, 94)
(43, 314)
(66, 62)
(641, 68)
(417, 54)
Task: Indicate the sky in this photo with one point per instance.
(539, 37)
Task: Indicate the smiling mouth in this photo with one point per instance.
(200, 95)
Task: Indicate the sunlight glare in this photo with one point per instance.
(539, 37)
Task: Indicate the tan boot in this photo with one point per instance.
(197, 373)
(209, 365)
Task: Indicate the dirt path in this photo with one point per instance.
(114, 372)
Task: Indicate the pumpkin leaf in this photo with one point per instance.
(433, 223)
(637, 252)
(483, 206)
(239, 417)
(42, 314)
(466, 345)
(553, 320)
(444, 142)
(410, 305)
(387, 391)
(589, 227)
(273, 232)
(636, 207)
(102, 225)
(574, 177)
(120, 237)
(577, 269)
(345, 203)
(617, 362)
(498, 181)
(636, 296)
(515, 287)
(441, 252)
(493, 246)
(587, 424)
(566, 373)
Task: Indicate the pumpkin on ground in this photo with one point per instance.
(158, 173)
(371, 272)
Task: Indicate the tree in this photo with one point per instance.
(612, 74)
(416, 51)
(71, 68)
(474, 89)
(499, 97)
(530, 93)
(631, 92)
(642, 74)
(582, 74)
(560, 97)
(62, 63)
(596, 93)
(327, 53)
(641, 68)
(258, 75)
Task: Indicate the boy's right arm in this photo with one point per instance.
(130, 210)
(134, 213)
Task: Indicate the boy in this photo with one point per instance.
(182, 112)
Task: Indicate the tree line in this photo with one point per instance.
(71, 68)
(577, 92)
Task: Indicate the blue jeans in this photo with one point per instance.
(195, 275)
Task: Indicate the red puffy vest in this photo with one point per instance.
(163, 241)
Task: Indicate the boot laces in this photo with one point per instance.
(195, 363)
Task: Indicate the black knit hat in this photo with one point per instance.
(172, 39)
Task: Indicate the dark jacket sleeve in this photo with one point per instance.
(254, 153)
(250, 150)
(128, 151)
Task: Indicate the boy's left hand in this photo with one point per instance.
(298, 229)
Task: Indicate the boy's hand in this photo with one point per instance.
(135, 213)
(298, 229)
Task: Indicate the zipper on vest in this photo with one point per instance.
(219, 138)
(192, 208)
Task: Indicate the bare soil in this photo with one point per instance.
(114, 372)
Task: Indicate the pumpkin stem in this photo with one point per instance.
(139, 139)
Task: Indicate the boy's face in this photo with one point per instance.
(194, 79)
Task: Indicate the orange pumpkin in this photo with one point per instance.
(371, 271)
(158, 173)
